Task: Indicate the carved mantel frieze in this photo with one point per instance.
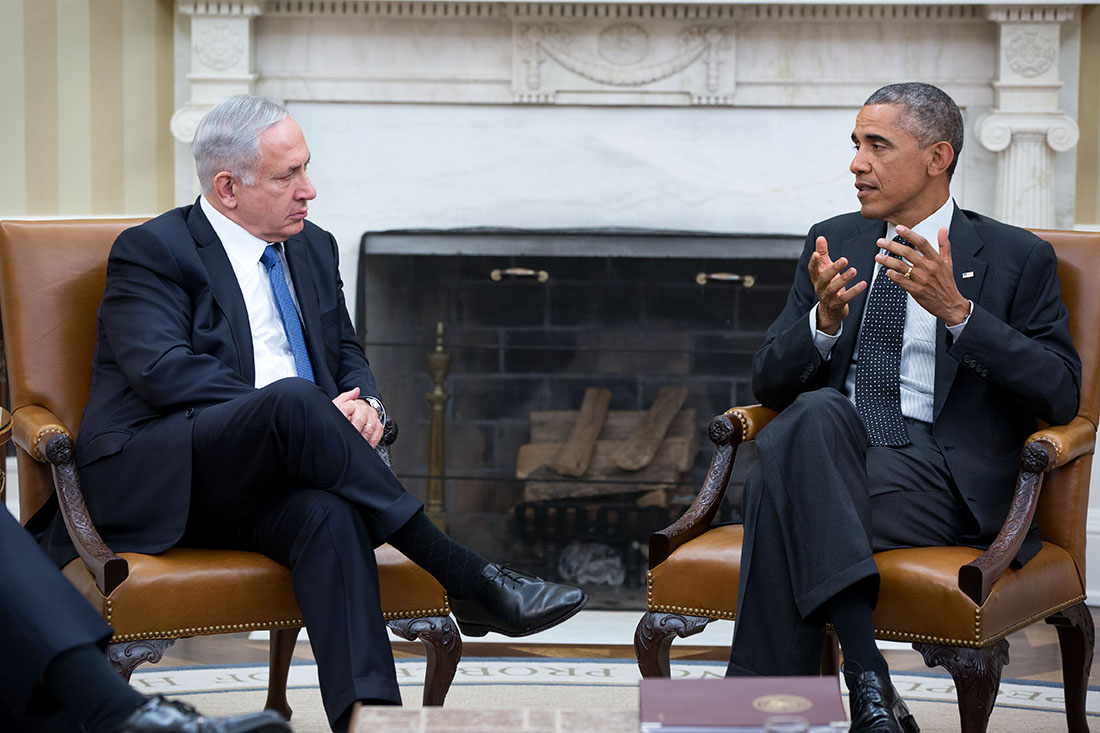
(578, 61)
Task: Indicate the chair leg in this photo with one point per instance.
(653, 639)
(280, 652)
(126, 656)
(1076, 637)
(977, 675)
(442, 648)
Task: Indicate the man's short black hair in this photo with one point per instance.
(927, 112)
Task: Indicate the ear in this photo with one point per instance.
(942, 155)
(225, 189)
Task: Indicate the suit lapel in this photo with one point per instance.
(298, 260)
(224, 288)
(969, 274)
(860, 251)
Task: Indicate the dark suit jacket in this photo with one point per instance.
(1013, 365)
(173, 337)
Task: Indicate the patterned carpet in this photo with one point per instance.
(510, 683)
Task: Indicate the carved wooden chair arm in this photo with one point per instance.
(34, 426)
(5, 436)
(46, 439)
(5, 426)
(699, 515)
(389, 435)
(1045, 450)
(751, 419)
(1070, 441)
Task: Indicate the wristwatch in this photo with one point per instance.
(377, 405)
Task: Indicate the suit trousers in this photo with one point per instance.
(818, 503)
(42, 616)
(283, 472)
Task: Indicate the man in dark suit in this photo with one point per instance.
(232, 405)
(54, 676)
(908, 373)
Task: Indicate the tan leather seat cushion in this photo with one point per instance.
(920, 598)
(241, 591)
(700, 577)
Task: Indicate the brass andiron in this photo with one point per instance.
(439, 366)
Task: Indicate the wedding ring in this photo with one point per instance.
(909, 272)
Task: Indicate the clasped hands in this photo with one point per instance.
(361, 415)
(925, 274)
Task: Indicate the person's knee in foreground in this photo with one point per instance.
(228, 379)
(54, 675)
(919, 346)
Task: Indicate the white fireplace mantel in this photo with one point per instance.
(1011, 67)
(732, 53)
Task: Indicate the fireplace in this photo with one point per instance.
(531, 332)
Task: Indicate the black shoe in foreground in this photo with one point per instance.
(160, 715)
(515, 603)
(875, 705)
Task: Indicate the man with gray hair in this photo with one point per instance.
(232, 405)
(919, 347)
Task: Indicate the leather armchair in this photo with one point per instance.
(956, 605)
(52, 277)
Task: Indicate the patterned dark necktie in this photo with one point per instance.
(878, 373)
(291, 324)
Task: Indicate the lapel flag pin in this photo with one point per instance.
(968, 273)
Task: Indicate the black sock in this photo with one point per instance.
(850, 613)
(456, 567)
(92, 692)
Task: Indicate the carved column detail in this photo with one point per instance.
(1026, 125)
(1025, 169)
(221, 58)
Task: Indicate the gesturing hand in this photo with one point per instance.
(831, 285)
(361, 415)
(929, 277)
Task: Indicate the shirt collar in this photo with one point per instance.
(241, 245)
(930, 227)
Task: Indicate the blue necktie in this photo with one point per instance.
(291, 324)
(878, 373)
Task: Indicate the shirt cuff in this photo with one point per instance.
(823, 342)
(957, 329)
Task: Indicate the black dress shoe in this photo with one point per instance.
(160, 715)
(875, 705)
(515, 603)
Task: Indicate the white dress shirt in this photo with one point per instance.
(274, 358)
(918, 342)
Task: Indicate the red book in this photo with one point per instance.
(737, 703)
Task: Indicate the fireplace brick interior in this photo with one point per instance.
(630, 324)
